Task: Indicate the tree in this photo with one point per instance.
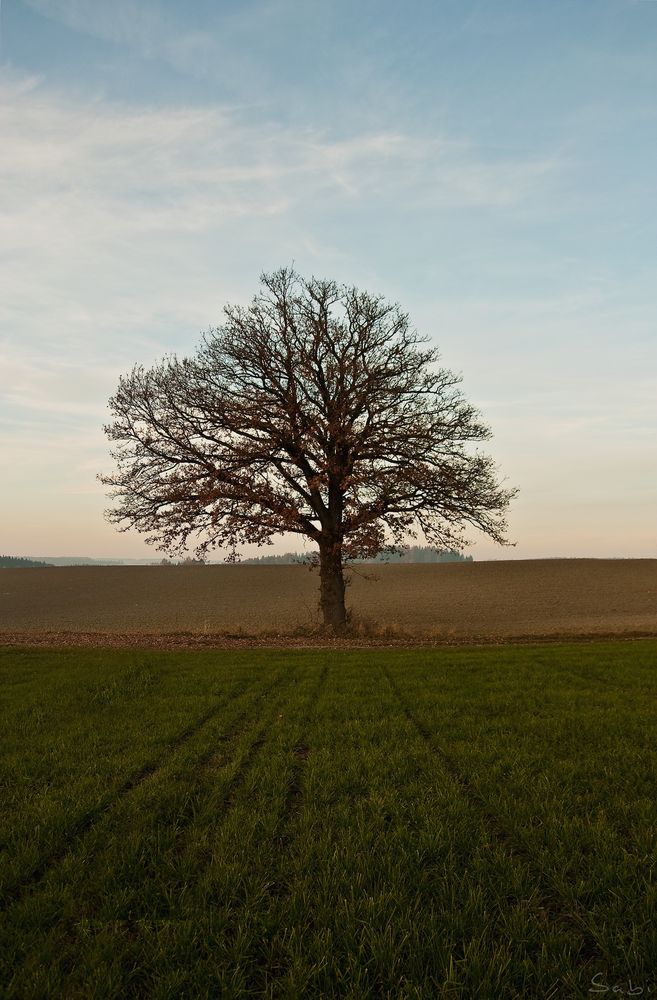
(319, 411)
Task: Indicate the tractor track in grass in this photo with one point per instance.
(279, 888)
(16, 890)
(294, 794)
(551, 901)
(210, 757)
(243, 762)
(252, 751)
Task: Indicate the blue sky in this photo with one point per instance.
(490, 164)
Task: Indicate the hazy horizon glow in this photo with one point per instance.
(490, 166)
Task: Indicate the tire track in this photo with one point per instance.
(244, 765)
(552, 904)
(301, 752)
(12, 893)
(231, 792)
(294, 795)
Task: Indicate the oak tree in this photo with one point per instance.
(319, 411)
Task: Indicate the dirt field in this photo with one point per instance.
(452, 602)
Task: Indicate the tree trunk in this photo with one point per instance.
(331, 587)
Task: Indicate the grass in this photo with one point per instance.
(420, 823)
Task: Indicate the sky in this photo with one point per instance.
(491, 165)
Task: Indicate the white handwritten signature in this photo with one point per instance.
(598, 985)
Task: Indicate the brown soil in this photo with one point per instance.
(277, 605)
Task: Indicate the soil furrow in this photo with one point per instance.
(552, 904)
(213, 753)
(294, 795)
(89, 819)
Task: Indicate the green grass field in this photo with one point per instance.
(407, 823)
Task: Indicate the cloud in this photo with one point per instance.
(226, 50)
(110, 214)
(191, 168)
(142, 26)
(34, 384)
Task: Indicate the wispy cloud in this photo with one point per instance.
(38, 384)
(99, 202)
(192, 167)
(221, 51)
(142, 26)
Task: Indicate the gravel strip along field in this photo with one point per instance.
(485, 601)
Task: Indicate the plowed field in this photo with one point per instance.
(452, 602)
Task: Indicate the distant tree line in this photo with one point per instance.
(182, 562)
(424, 554)
(14, 562)
(287, 559)
(410, 554)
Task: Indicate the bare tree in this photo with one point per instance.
(317, 410)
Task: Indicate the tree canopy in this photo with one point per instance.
(317, 410)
